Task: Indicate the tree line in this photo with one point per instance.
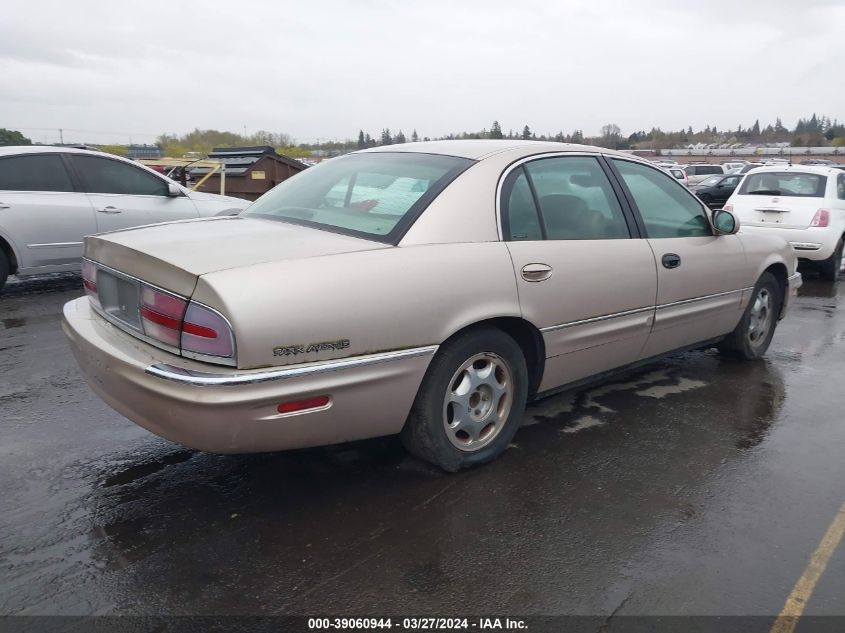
(812, 131)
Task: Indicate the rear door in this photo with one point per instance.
(780, 199)
(724, 189)
(125, 195)
(699, 275)
(583, 276)
(41, 213)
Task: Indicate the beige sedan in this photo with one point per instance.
(427, 289)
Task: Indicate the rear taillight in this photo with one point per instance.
(729, 207)
(205, 331)
(822, 218)
(161, 315)
(184, 324)
(89, 278)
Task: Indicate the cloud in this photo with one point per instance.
(328, 69)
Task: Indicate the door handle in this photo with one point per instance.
(109, 209)
(536, 272)
(670, 260)
(3, 205)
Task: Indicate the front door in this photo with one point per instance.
(582, 279)
(125, 195)
(699, 274)
(41, 214)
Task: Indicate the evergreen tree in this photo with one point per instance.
(362, 143)
(386, 139)
(400, 138)
(414, 136)
(755, 130)
(496, 130)
(526, 133)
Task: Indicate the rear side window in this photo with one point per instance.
(667, 208)
(103, 175)
(520, 221)
(576, 199)
(45, 172)
(703, 170)
(784, 183)
(840, 186)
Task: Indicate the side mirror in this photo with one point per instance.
(725, 222)
(173, 190)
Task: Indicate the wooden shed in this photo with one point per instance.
(250, 171)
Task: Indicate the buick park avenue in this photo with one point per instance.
(427, 289)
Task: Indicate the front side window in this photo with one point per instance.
(576, 199)
(103, 175)
(45, 172)
(784, 183)
(375, 195)
(667, 208)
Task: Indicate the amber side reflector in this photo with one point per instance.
(302, 405)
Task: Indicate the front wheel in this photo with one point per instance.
(752, 336)
(831, 266)
(470, 402)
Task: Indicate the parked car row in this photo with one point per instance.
(427, 289)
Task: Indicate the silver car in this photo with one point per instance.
(51, 197)
(427, 289)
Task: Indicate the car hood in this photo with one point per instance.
(174, 254)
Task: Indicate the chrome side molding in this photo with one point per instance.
(207, 379)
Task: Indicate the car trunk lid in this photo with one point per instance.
(784, 212)
(173, 255)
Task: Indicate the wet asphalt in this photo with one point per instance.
(697, 485)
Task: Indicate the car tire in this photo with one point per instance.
(471, 401)
(752, 336)
(830, 267)
(4, 269)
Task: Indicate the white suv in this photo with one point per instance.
(803, 204)
(51, 197)
(701, 171)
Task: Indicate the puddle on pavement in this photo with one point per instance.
(139, 471)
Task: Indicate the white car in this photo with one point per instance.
(678, 174)
(803, 204)
(51, 197)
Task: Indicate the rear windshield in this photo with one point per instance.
(374, 195)
(710, 181)
(784, 183)
(700, 170)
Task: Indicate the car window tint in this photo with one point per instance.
(103, 175)
(840, 186)
(576, 199)
(45, 172)
(519, 214)
(730, 182)
(667, 208)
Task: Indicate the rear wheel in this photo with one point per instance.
(470, 402)
(4, 269)
(752, 336)
(831, 267)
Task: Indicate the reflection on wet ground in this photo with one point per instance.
(673, 488)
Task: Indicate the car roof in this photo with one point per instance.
(479, 149)
(13, 150)
(822, 170)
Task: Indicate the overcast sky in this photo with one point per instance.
(117, 71)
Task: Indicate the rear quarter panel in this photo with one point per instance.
(382, 300)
